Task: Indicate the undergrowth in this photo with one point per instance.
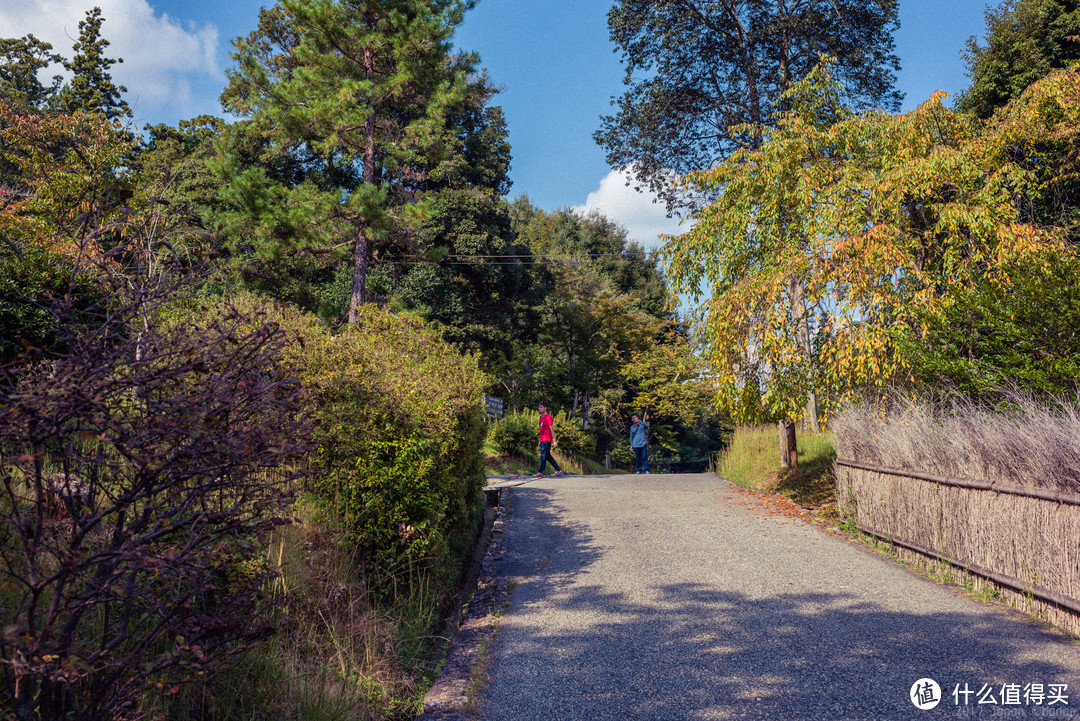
(340, 653)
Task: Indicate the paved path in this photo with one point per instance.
(683, 597)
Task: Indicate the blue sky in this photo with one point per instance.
(552, 58)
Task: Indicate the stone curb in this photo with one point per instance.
(448, 699)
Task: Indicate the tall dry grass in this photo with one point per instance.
(1028, 543)
(1022, 439)
(339, 654)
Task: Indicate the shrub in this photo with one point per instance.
(515, 433)
(573, 440)
(399, 422)
(142, 463)
(136, 472)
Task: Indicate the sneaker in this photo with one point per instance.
(538, 475)
(556, 474)
(645, 472)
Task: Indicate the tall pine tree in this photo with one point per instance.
(20, 61)
(360, 92)
(92, 87)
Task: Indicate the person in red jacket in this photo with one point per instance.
(547, 441)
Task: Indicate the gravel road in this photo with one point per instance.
(685, 597)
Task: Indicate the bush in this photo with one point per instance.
(573, 440)
(137, 471)
(516, 434)
(400, 428)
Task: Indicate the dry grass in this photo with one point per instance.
(1022, 442)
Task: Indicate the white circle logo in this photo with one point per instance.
(925, 694)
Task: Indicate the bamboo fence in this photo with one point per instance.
(1022, 541)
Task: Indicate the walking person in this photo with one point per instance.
(639, 442)
(547, 441)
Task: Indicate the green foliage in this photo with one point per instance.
(92, 89)
(361, 94)
(515, 434)
(994, 337)
(31, 283)
(20, 61)
(400, 426)
(699, 73)
(1025, 40)
(573, 440)
(485, 303)
(845, 228)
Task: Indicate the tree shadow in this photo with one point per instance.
(690, 651)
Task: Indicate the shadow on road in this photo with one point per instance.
(576, 650)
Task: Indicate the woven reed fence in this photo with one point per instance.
(1023, 541)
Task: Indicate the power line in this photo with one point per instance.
(519, 259)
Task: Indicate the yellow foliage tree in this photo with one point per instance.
(824, 241)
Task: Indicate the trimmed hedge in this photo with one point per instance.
(400, 425)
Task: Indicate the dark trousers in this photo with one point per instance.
(641, 459)
(545, 457)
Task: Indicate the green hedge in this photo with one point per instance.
(400, 428)
(516, 434)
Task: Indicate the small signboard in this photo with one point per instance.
(494, 406)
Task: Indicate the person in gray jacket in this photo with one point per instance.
(639, 442)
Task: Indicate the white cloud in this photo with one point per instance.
(643, 219)
(162, 57)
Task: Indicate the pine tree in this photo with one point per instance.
(362, 92)
(92, 87)
(20, 61)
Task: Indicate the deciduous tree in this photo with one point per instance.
(704, 77)
(878, 218)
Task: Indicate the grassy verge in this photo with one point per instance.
(338, 655)
(753, 460)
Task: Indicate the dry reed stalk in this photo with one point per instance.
(1029, 539)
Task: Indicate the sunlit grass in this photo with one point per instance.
(753, 460)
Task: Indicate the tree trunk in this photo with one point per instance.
(585, 412)
(359, 279)
(792, 448)
(785, 459)
(789, 452)
(801, 319)
(360, 250)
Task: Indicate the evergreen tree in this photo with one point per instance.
(20, 61)
(1025, 40)
(362, 92)
(695, 70)
(92, 87)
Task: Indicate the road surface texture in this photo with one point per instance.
(685, 597)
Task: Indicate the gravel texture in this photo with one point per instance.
(685, 597)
